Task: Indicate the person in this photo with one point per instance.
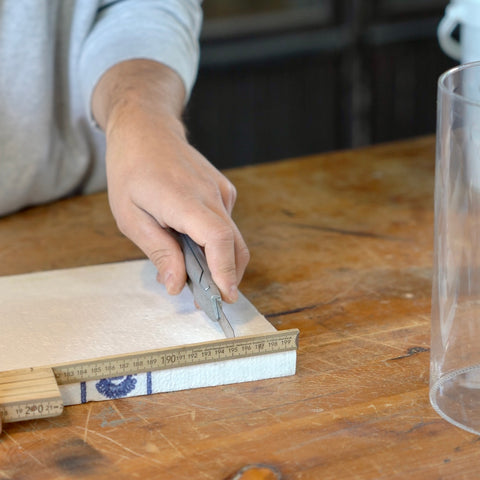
(91, 96)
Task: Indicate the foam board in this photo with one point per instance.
(69, 315)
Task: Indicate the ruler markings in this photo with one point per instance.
(174, 357)
(28, 394)
(33, 392)
(30, 409)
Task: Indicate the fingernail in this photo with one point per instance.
(169, 282)
(233, 294)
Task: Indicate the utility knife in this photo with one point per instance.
(205, 293)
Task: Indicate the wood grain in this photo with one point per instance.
(20, 385)
(341, 248)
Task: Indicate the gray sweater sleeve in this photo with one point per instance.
(166, 31)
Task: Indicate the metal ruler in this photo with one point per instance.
(34, 393)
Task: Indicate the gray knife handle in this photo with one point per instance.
(205, 292)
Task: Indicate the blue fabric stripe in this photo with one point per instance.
(149, 383)
(83, 392)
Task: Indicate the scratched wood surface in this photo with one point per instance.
(342, 249)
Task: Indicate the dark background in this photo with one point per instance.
(283, 78)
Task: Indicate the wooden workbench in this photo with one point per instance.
(341, 248)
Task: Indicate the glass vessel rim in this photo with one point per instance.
(458, 70)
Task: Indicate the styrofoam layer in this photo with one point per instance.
(238, 370)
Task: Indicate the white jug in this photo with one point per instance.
(466, 15)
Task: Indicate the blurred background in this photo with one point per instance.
(284, 78)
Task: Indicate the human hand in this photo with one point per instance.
(158, 182)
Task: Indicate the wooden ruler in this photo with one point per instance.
(33, 393)
(28, 394)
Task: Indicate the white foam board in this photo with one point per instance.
(69, 315)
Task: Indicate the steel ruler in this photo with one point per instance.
(33, 393)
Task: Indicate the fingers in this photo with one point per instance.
(227, 256)
(213, 228)
(158, 244)
(175, 188)
(225, 250)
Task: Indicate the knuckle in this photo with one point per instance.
(244, 255)
(228, 193)
(123, 223)
(160, 257)
(121, 213)
(223, 235)
(231, 192)
(227, 269)
(232, 197)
